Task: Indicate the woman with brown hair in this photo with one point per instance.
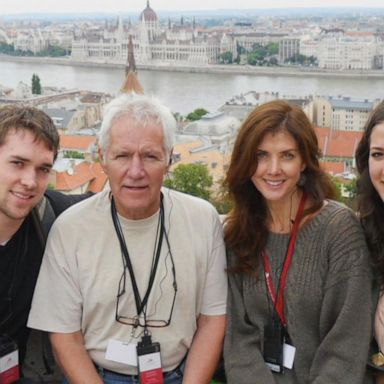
(370, 164)
(299, 308)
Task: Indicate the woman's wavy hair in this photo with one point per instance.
(370, 205)
(246, 230)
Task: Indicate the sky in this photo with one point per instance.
(113, 6)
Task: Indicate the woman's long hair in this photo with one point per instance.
(370, 205)
(246, 230)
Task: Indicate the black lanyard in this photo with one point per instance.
(140, 304)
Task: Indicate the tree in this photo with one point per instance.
(351, 192)
(226, 58)
(36, 86)
(197, 114)
(222, 201)
(73, 155)
(193, 179)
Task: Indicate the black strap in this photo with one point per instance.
(140, 304)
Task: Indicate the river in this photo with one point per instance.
(183, 92)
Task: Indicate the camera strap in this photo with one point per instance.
(140, 304)
(278, 298)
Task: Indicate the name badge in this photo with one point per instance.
(9, 368)
(122, 352)
(150, 369)
(288, 355)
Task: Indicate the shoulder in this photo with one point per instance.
(60, 201)
(86, 209)
(193, 204)
(191, 212)
(337, 212)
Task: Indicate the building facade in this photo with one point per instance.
(153, 43)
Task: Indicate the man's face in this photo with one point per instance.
(135, 162)
(24, 169)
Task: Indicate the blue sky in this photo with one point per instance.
(81, 6)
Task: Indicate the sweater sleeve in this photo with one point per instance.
(346, 311)
(379, 322)
(243, 360)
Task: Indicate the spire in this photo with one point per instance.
(131, 65)
(131, 82)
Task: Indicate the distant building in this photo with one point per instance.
(218, 127)
(153, 43)
(342, 113)
(249, 39)
(241, 105)
(349, 50)
(289, 46)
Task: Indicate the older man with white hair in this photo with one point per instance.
(133, 285)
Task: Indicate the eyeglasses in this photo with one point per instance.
(143, 321)
(5, 308)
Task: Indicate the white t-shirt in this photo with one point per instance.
(83, 267)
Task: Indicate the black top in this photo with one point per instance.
(20, 261)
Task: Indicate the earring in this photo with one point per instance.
(302, 180)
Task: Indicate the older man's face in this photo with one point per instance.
(135, 162)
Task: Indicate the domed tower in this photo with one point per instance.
(149, 18)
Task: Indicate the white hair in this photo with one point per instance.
(142, 109)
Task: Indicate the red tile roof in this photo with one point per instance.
(84, 173)
(335, 143)
(76, 142)
(332, 167)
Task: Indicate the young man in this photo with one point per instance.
(133, 280)
(29, 143)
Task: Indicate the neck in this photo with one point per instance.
(8, 227)
(282, 215)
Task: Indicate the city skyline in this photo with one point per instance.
(86, 6)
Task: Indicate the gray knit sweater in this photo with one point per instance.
(328, 305)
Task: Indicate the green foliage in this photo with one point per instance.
(272, 48)
(193, 179)
(351, 189)
(222, 203)
(73, 155)
(263, 55)
(226, 58)
(197, 114)
(9, 49)
(338, 186)
(52, 51)
(302, 60)
(36, 86)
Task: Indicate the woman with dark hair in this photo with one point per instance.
(299, 307)
(370, 164)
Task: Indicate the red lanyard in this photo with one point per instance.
(279, 300)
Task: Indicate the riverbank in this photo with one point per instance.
(216, 69)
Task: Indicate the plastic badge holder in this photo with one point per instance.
(9, 361)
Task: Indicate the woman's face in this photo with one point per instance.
(376, 159)
(279, 167)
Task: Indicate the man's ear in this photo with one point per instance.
(101, 157)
